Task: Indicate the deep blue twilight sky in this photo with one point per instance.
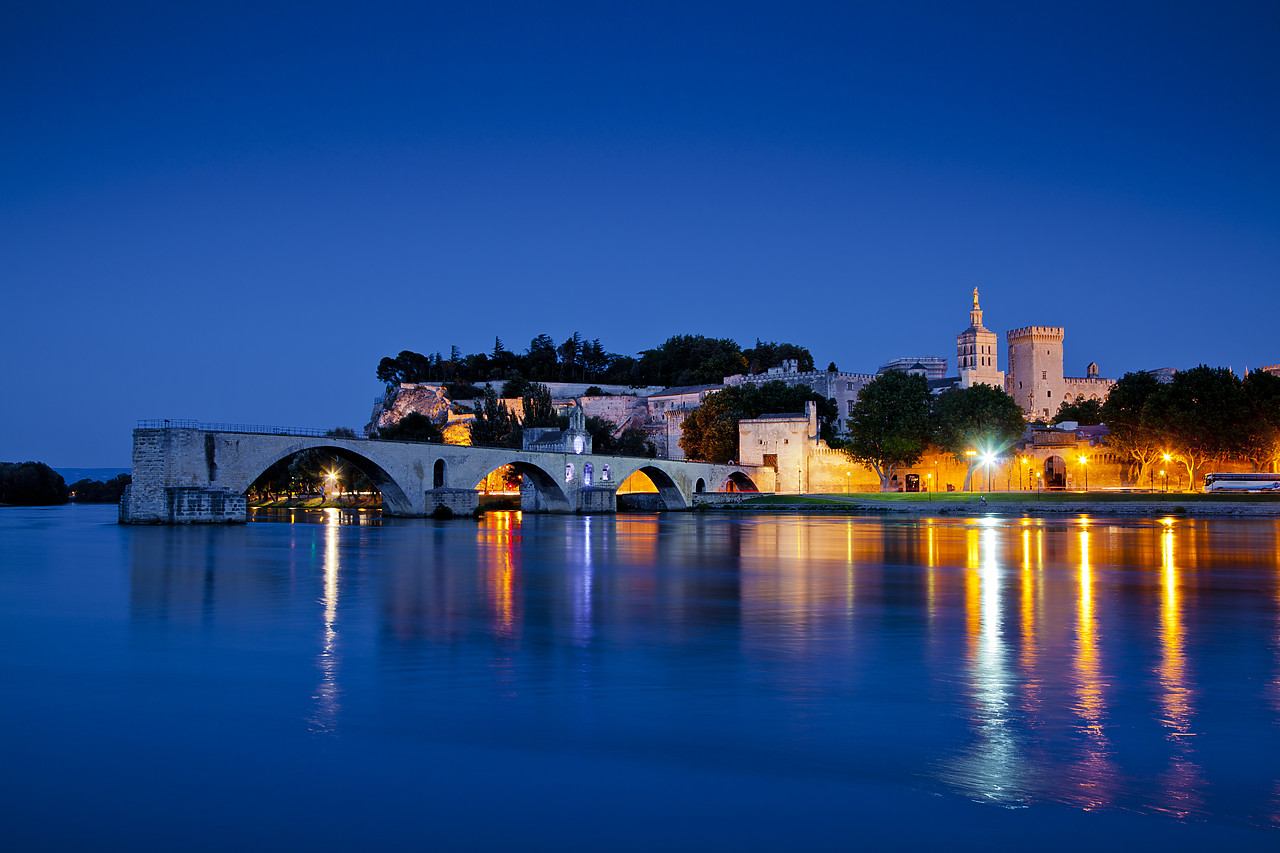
(230, 212)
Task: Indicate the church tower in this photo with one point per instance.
(976, 352)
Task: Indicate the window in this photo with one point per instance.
(1044, 374)
(1048, 395)
(851, 407)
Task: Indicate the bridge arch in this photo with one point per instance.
(394, 499)
(671, 494)
(739, 482)
(550, 493)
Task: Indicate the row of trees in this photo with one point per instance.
(1206, 415)
(895, 420)
(680, 360)
(36, 484)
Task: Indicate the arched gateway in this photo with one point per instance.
(184, 472)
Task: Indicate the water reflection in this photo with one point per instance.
(327, 694)
(1181, 781)
(993, 766)
(1009, 660)
(1095, 773)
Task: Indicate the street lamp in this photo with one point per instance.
(1166, 482)
(970, 476)
(930, 486)
(988, 459)
(1084, 468)
(1023, 461)
(846, 482)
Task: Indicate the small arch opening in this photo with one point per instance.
(437, 475)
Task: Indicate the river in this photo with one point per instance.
(331, 680)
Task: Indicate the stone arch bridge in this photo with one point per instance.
(198, 473)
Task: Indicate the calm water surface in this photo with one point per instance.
(334, 681)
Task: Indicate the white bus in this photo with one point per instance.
(1242, 482)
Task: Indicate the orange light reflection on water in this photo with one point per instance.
(1095, 777)
(1181, 782)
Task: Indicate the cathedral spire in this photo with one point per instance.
(975, 316)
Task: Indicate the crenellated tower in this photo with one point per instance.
(1035, 370)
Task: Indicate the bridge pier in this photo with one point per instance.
(185, 505)
(597, 499)
(464, 502)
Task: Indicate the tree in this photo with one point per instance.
(1127, 434)
(1262, 447)
(980, 418)
(1202, 414)
(570, 352)
(493, 424)
(538, 408)
(31, 484)
(412, 427)
(341, 432)
(765, 355)
(1083, 412)
(890, 424)
(634, 442)
(691, 360)
(541, 359)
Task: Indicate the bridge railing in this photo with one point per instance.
(253, 429)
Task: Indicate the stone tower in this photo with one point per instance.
(1035, 370)
(976, 354)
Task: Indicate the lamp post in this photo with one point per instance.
(1165, 477)
(930, 486)
(968, 465)
(1084, 468)
(846, 482)
(989, 459)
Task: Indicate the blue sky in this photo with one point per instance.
(230, 212)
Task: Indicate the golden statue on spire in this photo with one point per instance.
(975, 299)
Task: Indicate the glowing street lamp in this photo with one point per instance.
(930, 486)
(1023, 460)
(1166, 482)
(1083, 467)
(988, 459)
(970, 478)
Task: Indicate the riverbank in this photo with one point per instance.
(1016, 503)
